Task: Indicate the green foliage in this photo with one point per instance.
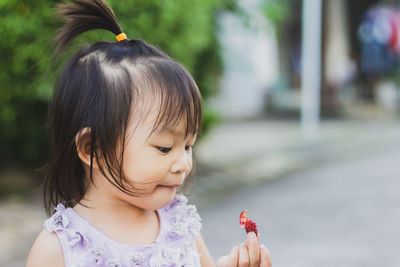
(186, 30)
(26, 40)
(277, 12)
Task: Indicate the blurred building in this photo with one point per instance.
(359, 59)
(249, 52)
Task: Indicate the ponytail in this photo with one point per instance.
(82, 16)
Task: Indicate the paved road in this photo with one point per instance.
(340, 214)
(344, 212)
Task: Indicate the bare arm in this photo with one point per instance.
(46, 251)
(205, 257)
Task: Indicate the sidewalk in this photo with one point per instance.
(235, 155)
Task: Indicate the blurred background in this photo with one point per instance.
(301, 121)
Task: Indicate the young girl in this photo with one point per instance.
(122, 124)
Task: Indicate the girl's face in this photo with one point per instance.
(157, 164)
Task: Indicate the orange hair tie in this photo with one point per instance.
(120, 37)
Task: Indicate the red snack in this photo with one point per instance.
(251, 226)
(246, 223)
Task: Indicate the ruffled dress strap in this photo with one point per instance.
(72, 239)
(180, 241)
(186, 221)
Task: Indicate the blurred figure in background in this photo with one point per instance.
(380, 43)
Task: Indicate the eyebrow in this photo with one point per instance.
(169, 130)
(172, 131)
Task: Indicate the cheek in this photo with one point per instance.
(145, 167)
(190, 165)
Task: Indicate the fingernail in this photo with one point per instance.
(251, 235)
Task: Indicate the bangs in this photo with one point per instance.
(174, 91)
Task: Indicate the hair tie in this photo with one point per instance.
(120, 37)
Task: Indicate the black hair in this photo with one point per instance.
(99, 88)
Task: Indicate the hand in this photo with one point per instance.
(250, 254)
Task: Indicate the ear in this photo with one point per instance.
(83, 141)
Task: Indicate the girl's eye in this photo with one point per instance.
(164, 149)
(188, 148)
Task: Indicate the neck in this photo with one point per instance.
(118, 218)
(102, 201)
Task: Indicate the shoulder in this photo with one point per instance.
(46, 251)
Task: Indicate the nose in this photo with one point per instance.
(181, 163)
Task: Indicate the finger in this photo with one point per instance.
(258, 238)
(233, 257)
(243, 257)
(223, 261)
(265, 257)
(254, 250)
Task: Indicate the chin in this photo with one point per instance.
(160, 197)
(166, 195)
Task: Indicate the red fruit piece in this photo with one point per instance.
(251, 226)
(243, 219)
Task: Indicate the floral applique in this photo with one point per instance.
(185, 220)
(58, 221)
(136, 259)
(185, 227)
(193, 221)
(159, 261)
(174, 253)
(178, 230)
(188, 264)
(77, 238)
(114, 263)
(97, 255)
(180, 200)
